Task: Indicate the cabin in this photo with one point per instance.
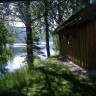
(77, 37)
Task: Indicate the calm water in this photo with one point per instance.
(19, 56)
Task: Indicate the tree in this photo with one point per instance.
(76, 5)
(5, 38)
(46, 28)
(26, 11)
(57, 15)
(25, 16)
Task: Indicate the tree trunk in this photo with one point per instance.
(47, 29)
(29, 45)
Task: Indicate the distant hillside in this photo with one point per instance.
(19, 33)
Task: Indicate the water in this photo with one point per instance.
(19, 56)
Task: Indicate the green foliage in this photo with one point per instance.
(76, 5)
(5, 38)
(55, 42)
(47, 78)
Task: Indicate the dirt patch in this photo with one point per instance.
(77, 70)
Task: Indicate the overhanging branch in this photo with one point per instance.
(1, 1)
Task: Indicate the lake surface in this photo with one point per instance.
(19, 56)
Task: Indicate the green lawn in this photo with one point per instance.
(47, 78)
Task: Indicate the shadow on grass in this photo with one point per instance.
(73, 87)
(47, 78)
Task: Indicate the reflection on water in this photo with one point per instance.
(19, 56)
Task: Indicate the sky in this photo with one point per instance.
(17, 24)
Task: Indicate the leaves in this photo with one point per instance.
(5, 39)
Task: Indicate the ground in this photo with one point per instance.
(48, 78)
(77, 70)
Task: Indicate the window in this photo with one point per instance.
(69, 41)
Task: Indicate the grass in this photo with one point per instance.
(47, 78)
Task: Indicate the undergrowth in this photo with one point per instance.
(47, 78)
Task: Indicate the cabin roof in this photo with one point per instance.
(88, 13)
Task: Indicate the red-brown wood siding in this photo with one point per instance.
(83, 50)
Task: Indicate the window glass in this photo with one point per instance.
(69, 41)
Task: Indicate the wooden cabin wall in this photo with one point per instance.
(83, 50)
(91, 37)
(94, 44)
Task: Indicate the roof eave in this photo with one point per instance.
(66, 25)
